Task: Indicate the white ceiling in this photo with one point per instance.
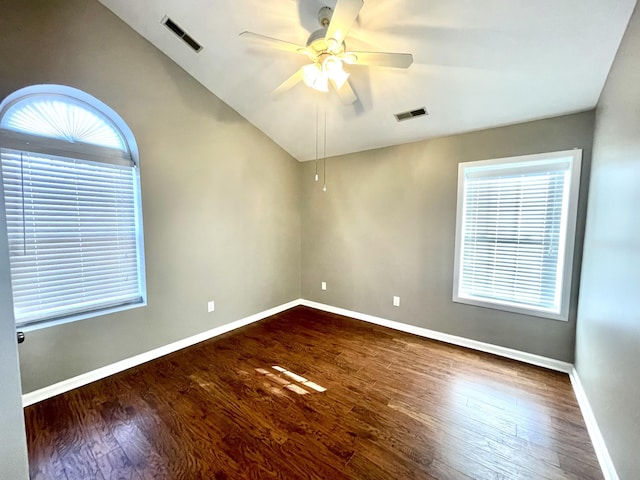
(477, 64)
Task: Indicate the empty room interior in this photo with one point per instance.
(322, 239)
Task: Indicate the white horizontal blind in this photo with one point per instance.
(514, 234)
(62, 117)
(72, 234)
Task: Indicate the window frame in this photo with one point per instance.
(575, 159)
(85, 152)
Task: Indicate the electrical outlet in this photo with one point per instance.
(211, 306)
(324, 285)
(396, 301)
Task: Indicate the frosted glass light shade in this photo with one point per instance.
(314, 77)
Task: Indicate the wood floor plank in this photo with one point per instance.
(115, 465)
(311, 395)
(44, 458)
(140, 452)
(80, 464)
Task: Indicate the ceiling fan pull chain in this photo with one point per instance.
(317, 120)
(324, 157)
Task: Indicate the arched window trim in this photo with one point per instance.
(62, 148)
(91, 164)
(38, 143)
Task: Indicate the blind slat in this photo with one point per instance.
(73, 234)
(512, 234)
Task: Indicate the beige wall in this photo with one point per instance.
(386, 226)
(220, 199)
(608, 334)
(222, 205)
(13, 447)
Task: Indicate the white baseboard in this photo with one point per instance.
(599, 445)
(604, 459)
(525, 357)
(103, 372)
(606, 464)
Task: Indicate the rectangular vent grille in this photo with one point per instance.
(188, 39)
(411, 114)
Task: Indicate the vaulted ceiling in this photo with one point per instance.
(476, 64)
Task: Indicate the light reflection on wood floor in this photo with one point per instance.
(311, 395)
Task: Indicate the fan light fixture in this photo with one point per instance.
(328, 53)
(332, 66)
(314, 77)
(317, 75)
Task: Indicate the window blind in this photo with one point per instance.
(514, 234)
(72, 234)
(62, 117)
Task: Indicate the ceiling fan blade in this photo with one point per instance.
(288, 84)
(343, 17)
(346, 93)
(379, 59)
(274, 42)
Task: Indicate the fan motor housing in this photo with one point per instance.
(318, 44)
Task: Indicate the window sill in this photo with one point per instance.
(76, 318)
(563, 316)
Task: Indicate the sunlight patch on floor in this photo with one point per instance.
(291, 380)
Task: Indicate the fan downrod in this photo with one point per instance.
(324, 16)
(317, 41)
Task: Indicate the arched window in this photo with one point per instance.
(72, 199)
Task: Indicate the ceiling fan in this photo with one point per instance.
(326, 50)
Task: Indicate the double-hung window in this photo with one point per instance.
(72, 201)
(515, 233)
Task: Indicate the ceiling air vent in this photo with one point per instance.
(173, 26)
(411, 114)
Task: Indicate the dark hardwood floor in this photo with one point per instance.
(348, 400)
